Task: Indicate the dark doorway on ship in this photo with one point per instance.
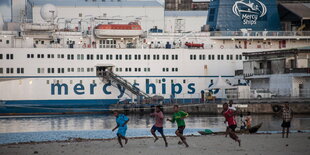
(102, 70)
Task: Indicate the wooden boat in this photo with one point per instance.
(251, 130)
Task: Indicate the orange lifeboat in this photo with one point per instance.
(194, 45)
(118, 30)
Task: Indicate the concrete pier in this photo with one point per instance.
(258, 107)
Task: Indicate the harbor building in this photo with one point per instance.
(282, 72)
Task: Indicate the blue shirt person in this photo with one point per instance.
(121, 121)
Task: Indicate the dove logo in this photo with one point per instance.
(249, 11)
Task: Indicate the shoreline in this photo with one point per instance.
(78, 139)
(297, 143)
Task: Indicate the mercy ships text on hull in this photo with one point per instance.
(81, 56)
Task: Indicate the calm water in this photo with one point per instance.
(17, 124)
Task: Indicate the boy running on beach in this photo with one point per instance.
(232, 124)
(159, 120)
(230, 103)
(287, 117)
(179, 116)
(121, 121)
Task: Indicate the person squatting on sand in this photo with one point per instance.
(121, 121)
(232, 124)
(287, 117)
(158, 126)
(178, 117)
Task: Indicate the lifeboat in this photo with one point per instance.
(195, 45)
(118, 30)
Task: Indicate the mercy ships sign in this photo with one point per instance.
(233, 15)
(249, 11)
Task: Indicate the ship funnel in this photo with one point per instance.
(234, 15)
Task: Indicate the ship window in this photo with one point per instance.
(42, 42)
(72, 57)
(98, 57)
(7, 70)
(231, 57)
(0, 40)
(213, 57)
(78, 57)
(48, 70)
(237, 57)
(184, 81)
(12, 70)
(78, 69)
(7, 41)
(68, 69)
(68, 56)
(7, 56)
(81, 81)
(53, 70)
(18, 70)
(48, 56)
(47, 81)
(1, 56)
(101, 57)
(240, 57)
(39, 70)
(222, 57)
(1, 70)
(227, 57)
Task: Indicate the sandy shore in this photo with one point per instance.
(265, 144)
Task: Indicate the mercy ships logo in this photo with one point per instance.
(249, 11)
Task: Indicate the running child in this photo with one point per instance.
(121, 121)
(232, 124)
(158, 126)
(178, 117)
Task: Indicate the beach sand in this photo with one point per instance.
(265, 144)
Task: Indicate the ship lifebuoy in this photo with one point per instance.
(276, 108)
(222, 46)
